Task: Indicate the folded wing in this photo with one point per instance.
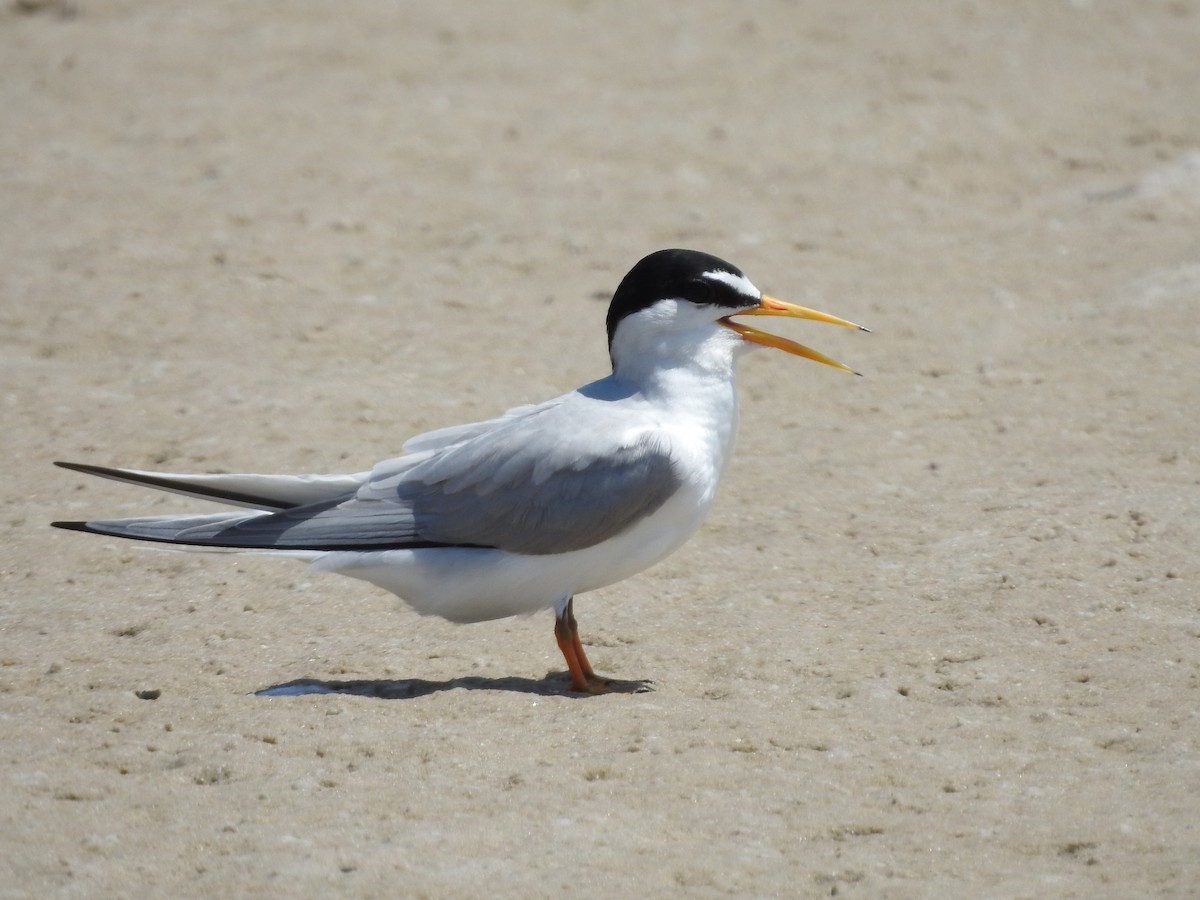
(549, 479)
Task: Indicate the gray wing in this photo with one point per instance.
(552, 478)
(526, 503)
(456, 434)
(558, 477)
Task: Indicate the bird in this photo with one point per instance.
(524, 511)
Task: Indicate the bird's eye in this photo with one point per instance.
(700, 291)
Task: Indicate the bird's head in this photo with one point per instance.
(672, 301)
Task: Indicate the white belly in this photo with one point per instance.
(698, 421)
(466, 584)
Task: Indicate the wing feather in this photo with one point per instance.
(551, 478)
(252, 491)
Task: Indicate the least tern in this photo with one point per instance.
(522, 512)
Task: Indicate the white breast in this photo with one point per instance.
(697, 418)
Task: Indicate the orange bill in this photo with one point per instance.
(769, 306)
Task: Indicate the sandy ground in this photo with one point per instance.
(940, 636)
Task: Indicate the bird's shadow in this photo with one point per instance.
(553, 685)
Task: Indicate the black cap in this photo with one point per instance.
(677, 274)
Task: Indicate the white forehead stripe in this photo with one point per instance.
(739, 283)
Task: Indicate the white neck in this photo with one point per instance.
(646, 357)
(689, 374)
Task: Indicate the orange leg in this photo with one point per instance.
(566, 632)
(583, 679)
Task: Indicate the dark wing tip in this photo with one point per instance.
(74, 526)
(102, 471)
